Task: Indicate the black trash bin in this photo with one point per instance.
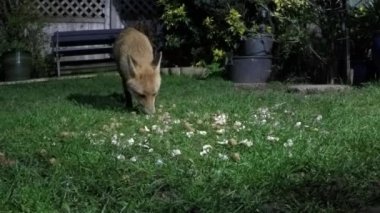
(251, 69)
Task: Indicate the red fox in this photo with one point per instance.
(140, 77)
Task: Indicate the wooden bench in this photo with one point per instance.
(83, 49)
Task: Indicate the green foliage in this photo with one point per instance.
(21, 27)
(372, 14)
(20, 22)
(236, 25)
(205, 30)
(292, 17)
(308, 34)
(364, 19)
(213, 69)
(173, 18)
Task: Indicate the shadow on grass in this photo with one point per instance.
(337, 193)
(113, 101)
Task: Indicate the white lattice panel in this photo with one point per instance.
(72, 9)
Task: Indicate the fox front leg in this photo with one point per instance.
(127, 95)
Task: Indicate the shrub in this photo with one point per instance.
(21, 27)
(305, 31)
(307, 35)
(364, 19)
(204, 31)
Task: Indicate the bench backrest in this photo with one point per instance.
(84, 37)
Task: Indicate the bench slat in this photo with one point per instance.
(87, 32)
(86, 62)
(84, 40)
(90, 37)
(93, 51)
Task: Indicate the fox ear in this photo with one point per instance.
(158, 66)
(132, 64)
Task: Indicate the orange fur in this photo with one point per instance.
(141, 79)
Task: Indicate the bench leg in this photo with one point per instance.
(57, 56)
(58, 66)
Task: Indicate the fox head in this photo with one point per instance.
(143, 83)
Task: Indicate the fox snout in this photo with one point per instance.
(147, 104)
(144, 90)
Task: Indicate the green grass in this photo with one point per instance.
(71, 144)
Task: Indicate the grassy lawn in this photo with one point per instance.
(69, 146)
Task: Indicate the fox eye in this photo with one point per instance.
(141, 95)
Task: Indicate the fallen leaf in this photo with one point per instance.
(235, 156)
(5, 161)
(43, 152)
(66, 134)
(232, 142)
(53, 161)
(189, 127)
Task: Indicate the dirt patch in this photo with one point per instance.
(316, 88)
(300, 88)
(4, 161)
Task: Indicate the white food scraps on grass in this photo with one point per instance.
(131, 141)
(120, 157)
(220, 119)
(220, 131)
(165, 118)
(189, 134)
(289, 143)
(223, 142)
(202, 132)
(222, 156)
(246, 142)
(146, 146)
(145, 129)
(218, 122)
(175, 152)
(206, 149)
(263, 115)
(238, 126)
(272, 138)
(159, 162)
(114, 140)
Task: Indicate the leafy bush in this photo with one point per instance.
(204, 31)
(308, 34)
(309, 40)
(364, 19)
(21, 28)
